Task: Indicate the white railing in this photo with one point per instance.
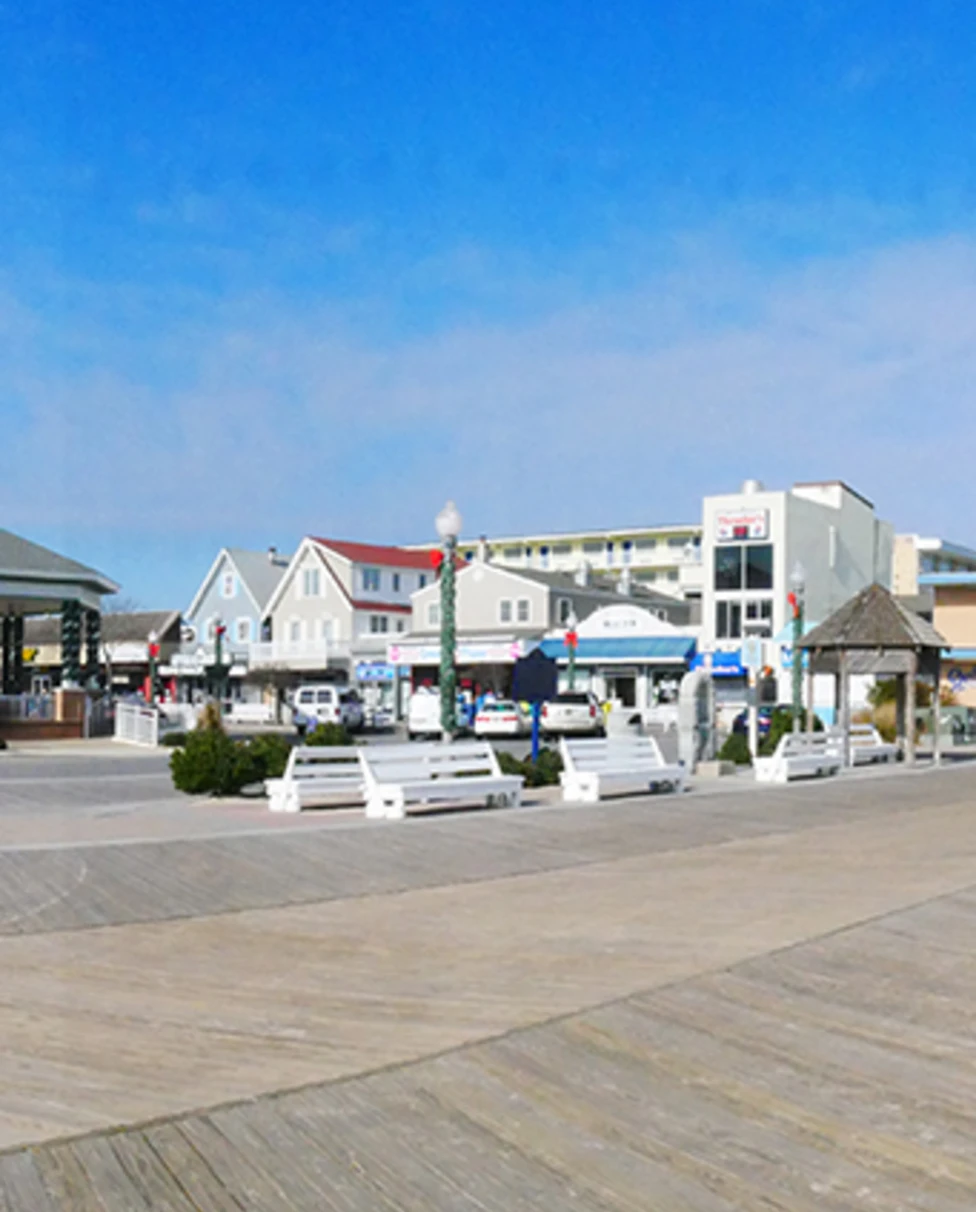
(297, 653)
(135, 725)
(26, 707)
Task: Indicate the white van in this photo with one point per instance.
(314, 705)
(424, 714)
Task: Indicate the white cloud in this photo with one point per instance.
(622, 410)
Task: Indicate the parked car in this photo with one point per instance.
(378, 718)
(424, 714)
(502, 718)
(314, 705)
(573, 711)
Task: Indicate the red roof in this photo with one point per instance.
(396, 607)
(370, 553)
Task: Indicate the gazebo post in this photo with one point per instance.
(901, 733)
(910, 677)
(845, 709)
(936, 713)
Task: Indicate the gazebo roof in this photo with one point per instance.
(874, 619)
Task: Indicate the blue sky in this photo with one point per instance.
(270, 270)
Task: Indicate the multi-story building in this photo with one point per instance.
(916, 557)
(665, 558)
(954, 617)
(759, 546)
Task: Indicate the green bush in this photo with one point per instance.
(270, 755)
(543, 773)
(781, 723)
(736, 749)
(329, 734)
(210, 761)
(173, 739)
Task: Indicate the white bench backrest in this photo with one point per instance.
(323, 762)
(793, 744)
(417, 762)
(611, 753)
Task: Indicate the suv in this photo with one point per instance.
(573, 711)
(313, 705)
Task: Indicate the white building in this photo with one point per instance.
(664, 558)
(915, 556)
(752, 541)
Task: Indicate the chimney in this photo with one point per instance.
(751, 487)
(483, 557)
(272, 555)
(625, 584)
(583, 573)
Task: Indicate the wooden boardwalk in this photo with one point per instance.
(737, 1002)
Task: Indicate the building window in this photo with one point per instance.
(396, 582)
(399, 624)
(295, 630)
(646, 544)
(228, 586)
(243, 632)
(328, 630)
(433, 614)
(759, 566)
(760, 608)
(422, 580)
(728, 568)
(564, 609)
(505, 610)
(371, 580)
(673, 574)
(562, 549)
(592, 548)
(676, 542)
(378, 624)
(511, 553)
(311, 584)
(650, 575)
(524, 610)
(543, 557)
(728, 620)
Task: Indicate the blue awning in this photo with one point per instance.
(674, 650)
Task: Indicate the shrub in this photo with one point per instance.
(210, 761)
(782, 722)
(270, 755)
(173, 739)
(329, 734)
(736, 749)
(536, 774)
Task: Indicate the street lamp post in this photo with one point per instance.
(571, 639)
(795, 599)
(448, 523)
(153, 649)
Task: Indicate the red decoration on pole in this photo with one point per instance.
(794, 604)
(571, 639)
(154, 651)
(436, 558)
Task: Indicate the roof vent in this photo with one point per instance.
(751, 487)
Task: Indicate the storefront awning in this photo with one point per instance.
(643, 650)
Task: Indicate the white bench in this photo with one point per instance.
(592, 767)
(799, 755)
(867, 745)
(316, 774)
(396, 776)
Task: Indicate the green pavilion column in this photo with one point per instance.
(93, 645)
(71, 643)
(17, 673)
(8, 654)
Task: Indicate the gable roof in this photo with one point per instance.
(260, 573)
(22, 558)
(125, 627)
(372, 553)
(874, 618)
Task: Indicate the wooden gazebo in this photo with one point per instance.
(874, 633)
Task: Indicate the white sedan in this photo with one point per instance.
(502, 718)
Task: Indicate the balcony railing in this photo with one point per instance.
(302, 654)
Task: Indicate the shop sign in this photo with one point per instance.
(736, 526)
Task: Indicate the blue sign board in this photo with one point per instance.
(724, 664)
(377, 671)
